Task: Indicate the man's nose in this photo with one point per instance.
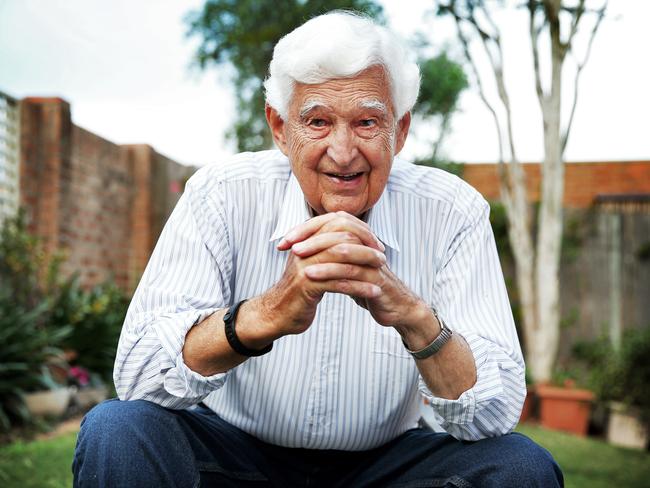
(342, 148)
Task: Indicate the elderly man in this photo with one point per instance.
(300, 303)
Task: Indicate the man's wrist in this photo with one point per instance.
(254, 330)
(420, 327)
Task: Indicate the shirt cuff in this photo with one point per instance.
(179, 380)
(488, 386)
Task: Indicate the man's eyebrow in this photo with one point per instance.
(374, 105)
(310, 105)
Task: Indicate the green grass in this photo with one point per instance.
(585, 462)
(38, 464)
(588, 462)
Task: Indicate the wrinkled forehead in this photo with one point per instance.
(312, 105)
(368, 90)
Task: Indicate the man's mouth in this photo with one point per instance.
(344, 176)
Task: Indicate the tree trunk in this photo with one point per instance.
(549, 236)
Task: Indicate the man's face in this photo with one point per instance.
(340, 137)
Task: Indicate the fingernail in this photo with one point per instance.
(381, 246)
(381, 257)
(299, 246)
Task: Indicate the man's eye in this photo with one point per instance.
(317, 123)
(368, 123)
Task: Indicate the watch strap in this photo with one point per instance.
(437, 344)
(231, 335)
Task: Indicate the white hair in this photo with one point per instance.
(340, 44)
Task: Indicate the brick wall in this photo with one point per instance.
(582, 181)
(99, 202)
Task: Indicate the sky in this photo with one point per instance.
(125, 67)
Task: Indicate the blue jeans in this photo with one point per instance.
(138, 444)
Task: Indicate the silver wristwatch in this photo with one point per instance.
(436, 345)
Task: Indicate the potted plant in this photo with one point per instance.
(627, 388)
(564, 407)
(621, 379)
(51, 399)
(27, 345)
(89, 387)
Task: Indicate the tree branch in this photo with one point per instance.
(580, 66)
(534, 38)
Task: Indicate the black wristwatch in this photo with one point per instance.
(231, 335)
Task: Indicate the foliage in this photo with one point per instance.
(96, 318)
(41, 315)
(620, 375)
(242, 34)
(448, 166)
(643, 253)
(24, 265)
(443, 80)
(499, 222)
(28, 345)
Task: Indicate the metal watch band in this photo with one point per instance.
(231, 335)
(436, 345)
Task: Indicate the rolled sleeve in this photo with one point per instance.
(186, 281)
(492, 406)
(471, 296)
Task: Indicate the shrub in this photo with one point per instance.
(96, 318)
(621, 375)
(27, 346)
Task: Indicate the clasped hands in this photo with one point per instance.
(337, 252)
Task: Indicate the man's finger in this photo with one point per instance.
(320, 242)
(352, 288)
(304, 230)
(342, 271)
(350, 254)
(339, 221)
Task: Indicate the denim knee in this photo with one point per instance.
(526, 464)
(127, 441)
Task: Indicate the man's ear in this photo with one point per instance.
(276, 124)
(402, 131)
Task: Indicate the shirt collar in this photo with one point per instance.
(295, 210)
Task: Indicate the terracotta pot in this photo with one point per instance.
(565, 409)
(528, 412)
(625, 428)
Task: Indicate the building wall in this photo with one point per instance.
(96, 201)
(9, 156)
(582, 181)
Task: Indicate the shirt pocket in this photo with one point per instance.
(386, 340)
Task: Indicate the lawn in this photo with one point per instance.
(38, 464)
(585, 462)
(593, 463)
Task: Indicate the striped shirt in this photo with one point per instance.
(346, 383)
